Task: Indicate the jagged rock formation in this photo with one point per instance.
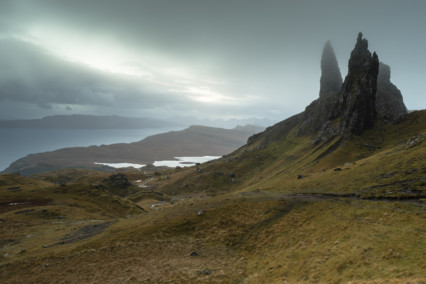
(357, 99)
(318, 112)
(331, 79)
(389, 102)
(353, 105)
(343, 112)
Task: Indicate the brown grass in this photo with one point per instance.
(266, 226)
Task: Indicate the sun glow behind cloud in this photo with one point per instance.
(153, 71)
(206, 95)
(96, 53)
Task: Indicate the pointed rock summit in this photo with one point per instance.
(331, 79)
(353, 108)
(389, 102)
(344, 109)
(357, 98)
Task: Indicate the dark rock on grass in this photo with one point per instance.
(118, 180)
(205, 271)
(337, 169)
(300, 176)
(24, 211)
(370, 147)
(118, 184)
(415, 141)
(388, 175)
(193, 253)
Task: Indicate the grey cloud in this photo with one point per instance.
(269, 49)
(30, 75)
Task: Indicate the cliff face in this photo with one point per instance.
(357, 99)
(348, 108)
(389, 102)
(352, 108)
(341, 109)
(320, 111)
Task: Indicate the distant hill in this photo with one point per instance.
(193, 141)
(80, 121)
(87, 122)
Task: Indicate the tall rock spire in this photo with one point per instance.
(351, 109)
(358, 95)
(331, 79)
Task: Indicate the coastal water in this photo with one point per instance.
(177, 162)
(16, 143)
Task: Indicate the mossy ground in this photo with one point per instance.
(275, 214)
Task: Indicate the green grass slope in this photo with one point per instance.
(278, 210)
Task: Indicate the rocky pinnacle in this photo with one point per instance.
(331, 79)
(357, 98)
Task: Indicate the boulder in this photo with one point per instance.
(117, 180)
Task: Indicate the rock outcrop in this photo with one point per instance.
(353, 105)
(118, 184)
(117, 180)
(331, 79)
(389, 102)
(341, 109)
(346, 110)
(357, 99)
(319, 111)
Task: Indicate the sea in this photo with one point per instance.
(16, 143)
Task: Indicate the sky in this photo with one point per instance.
(208, 59)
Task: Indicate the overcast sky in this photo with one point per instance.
(204, 58)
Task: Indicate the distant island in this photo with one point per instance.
(78, 121)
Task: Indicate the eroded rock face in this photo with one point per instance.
(389, 102)
(357, 99)
(321, 110)
(349, 110)
(352, 109)
(331, 79)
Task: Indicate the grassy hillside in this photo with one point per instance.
(279, 210)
